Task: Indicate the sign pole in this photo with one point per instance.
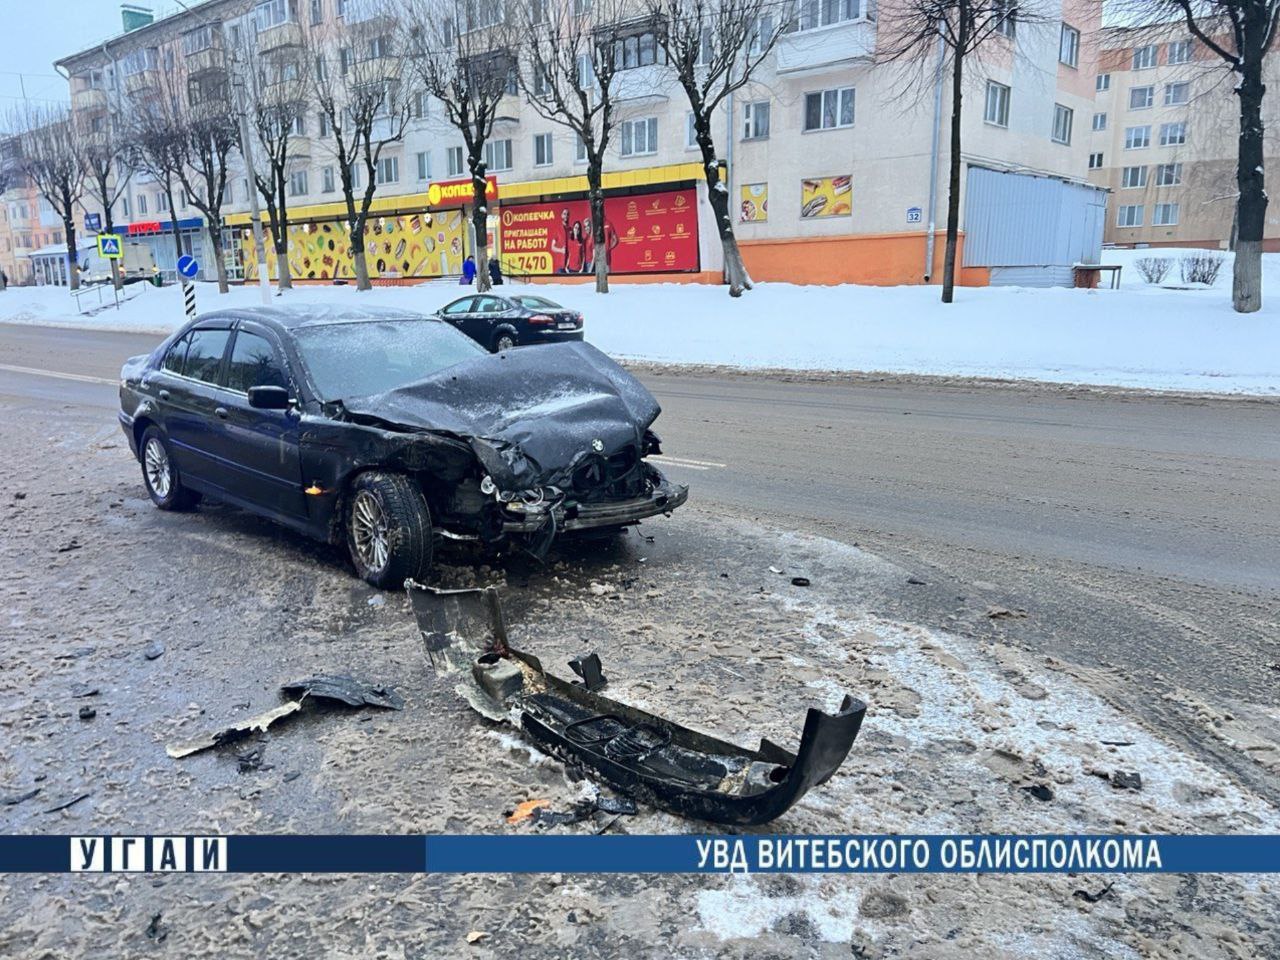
(189, 298)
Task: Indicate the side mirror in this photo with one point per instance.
(269, 398)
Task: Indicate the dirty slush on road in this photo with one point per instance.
(127, 629)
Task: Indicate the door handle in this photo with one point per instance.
(221, 412)
(164, 394)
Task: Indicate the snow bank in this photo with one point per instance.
(1138, 336)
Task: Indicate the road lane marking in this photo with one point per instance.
(83, 378)
(686, 462)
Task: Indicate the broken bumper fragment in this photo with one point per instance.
(637, 753)
(521, 517)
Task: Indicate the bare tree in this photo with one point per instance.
(49, 158)
(278, 95)
(10, 176)
(155, 135)
(937, 35)
(209, 134)
(1240, 33)
(572, 66)
(464, 53)
(714, 47)
(103, 162)
(356, 83)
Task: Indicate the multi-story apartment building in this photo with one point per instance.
(1163, 140)
(836, 162)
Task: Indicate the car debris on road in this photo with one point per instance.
(636, 753)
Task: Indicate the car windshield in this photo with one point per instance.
(368, 357)
(537, 303)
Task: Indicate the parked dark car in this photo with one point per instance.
(387, 430)
(502, 322)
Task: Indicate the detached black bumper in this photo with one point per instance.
(524, 518)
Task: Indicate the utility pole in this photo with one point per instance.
(246, 151)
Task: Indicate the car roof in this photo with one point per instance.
(299, 315)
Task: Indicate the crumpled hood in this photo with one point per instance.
(531, 415)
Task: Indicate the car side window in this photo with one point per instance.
(254, 363)
(489, 305)
(204, 356)
(459, 306)
(176, 356)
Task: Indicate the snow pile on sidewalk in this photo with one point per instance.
(1138, 336)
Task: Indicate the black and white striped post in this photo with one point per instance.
(188, 268)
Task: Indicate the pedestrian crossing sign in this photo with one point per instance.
(109, 246)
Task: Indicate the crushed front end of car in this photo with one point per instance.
(559, 435)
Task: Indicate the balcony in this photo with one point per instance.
(142, 81)
(88, 100)
(209, 60)
(282, 35)
(650, 82)
(827, 46)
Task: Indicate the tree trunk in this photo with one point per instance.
(735, 271)
(953, 194)
(1251, 206)
(599, 242)
(358, 257)
(280, 236)
(480, 225)
(215, 240)
(73, 255)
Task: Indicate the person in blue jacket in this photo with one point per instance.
(468, 271)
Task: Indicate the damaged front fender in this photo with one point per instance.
(648, 757)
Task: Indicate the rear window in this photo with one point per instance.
(537, 303)
(361, 359)
(204, 354)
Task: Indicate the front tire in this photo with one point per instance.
(388, 529)
(160, 474)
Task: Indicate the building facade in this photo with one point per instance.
(836, 163)
(1163, 140)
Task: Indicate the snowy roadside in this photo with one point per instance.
(1140, 336)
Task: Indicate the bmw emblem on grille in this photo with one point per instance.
(597, 445)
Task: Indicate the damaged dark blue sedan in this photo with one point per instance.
(388, 431)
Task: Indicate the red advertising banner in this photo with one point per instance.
(645, 233)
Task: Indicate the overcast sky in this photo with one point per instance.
(34, 33)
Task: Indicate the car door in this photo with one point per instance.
(484, 314)
(458, 313)
(186, 395)
(258, 449)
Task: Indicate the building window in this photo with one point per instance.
(388, 170)
(1144, 58)
(317, 12)
(755, 120)
(453, 161)
(323, 119)
(298, 183)
(1168, 174)
(1103, 82)
(1180, 52)
(354, 172)
(579, 150)
(638, 50)
(1135, 138)
(1007, 10)
(1164, 215)
(424, 164)
(1133, 177)
(1095, 161)
(1062, 117)
(1141, 97)
(162, 202)
(272, 13)
(497, 155)
(142, 204)
(812, 14)
(124, 207)
(201, 38)
(997, 110)
(1176, 94)
(639, 137)
(300, 125)
(586, 72)
(828, 109)
(761, 33)
(1069, 46)
(326, 180)
(379, 47)
(541, 82)
(542, 150)
(1129, 215)
(690, 131)
(418, 105)
(1173, 134)
(344, 60)
(1099, 121)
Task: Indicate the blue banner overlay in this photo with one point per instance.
(571, 853)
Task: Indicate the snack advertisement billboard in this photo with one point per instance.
(822, 197)
(645, 233)
(753, 205)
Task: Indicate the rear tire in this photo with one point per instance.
(505, 340)
(160, 474)
(388, 529)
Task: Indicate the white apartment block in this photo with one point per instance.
(837, 164)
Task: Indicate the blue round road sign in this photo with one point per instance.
(188, 267)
